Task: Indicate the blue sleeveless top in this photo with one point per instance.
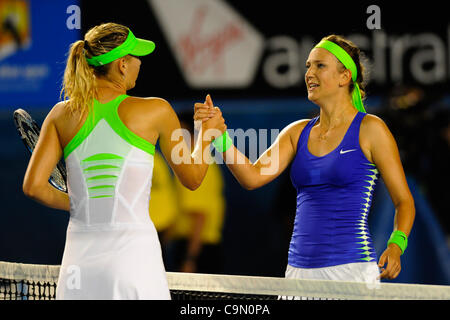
(334, 194)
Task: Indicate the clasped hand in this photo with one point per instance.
(210, 116)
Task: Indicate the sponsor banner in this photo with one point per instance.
(34, 39)
(216, 46)
(213, 45)
(231, 47)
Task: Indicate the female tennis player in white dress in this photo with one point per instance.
(107, 138)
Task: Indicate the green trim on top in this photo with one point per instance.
(106, 196)
(101, 187)
(129, 136)
(84, 131)
(102, 156)
(103, 111)
(101, 177)
(101, 167)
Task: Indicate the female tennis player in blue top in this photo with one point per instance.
(336, 160)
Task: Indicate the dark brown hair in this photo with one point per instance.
(357, 56)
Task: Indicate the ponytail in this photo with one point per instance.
(79, 81)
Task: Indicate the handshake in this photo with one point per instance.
(209, 118)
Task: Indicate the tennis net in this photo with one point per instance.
(38, 282)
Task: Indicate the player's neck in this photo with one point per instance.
(335, 113)
(108, 88)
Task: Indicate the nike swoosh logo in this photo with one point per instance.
(342, 151)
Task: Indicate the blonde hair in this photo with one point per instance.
(79, 83)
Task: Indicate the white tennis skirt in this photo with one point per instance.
(359, 272)
(366, 272)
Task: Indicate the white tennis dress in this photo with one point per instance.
(112, 249)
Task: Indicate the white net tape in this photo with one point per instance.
(250, 285)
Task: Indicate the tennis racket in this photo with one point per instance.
(29, 132)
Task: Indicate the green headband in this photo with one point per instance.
(348, 63)
(132, 45)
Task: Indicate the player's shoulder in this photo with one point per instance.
(59, 111)
(60, 106)
(154, 109)
(295, 128)
(299, 124)
(372, 124)
(374, 132)
(148, 102)
(153, 106)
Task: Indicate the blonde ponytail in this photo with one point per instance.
(79, 81)
(79, 84)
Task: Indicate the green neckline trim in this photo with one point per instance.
(113, 119)
(129, 136)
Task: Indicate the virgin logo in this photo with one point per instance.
(203, 51)
(212, 44)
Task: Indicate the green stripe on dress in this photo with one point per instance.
(101, 167)
(102, 156)
(102, 176)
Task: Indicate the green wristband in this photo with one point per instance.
(223, 143)
(399, 238)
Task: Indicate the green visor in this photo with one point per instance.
(132, 45)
